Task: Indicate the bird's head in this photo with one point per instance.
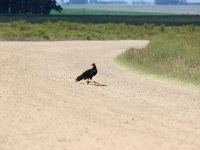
(93, 64)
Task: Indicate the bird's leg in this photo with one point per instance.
(88, 81)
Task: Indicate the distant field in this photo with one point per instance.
(100, 19)
(129, 14)
(168, 9)
(89, 11)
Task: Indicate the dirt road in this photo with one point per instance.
(43, 108)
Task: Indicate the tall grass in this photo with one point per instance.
(25, 31)
(174, 53)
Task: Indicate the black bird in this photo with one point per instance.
(88, 74)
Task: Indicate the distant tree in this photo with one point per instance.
(4, 6)
(93, 1)
(44, 6)
(48, 5)
(183, 2)
(15, 6)
(167, 2)
(78, 1)
(28, 6)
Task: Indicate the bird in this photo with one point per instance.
(88, 74)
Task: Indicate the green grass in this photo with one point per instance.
(24, 31)
(99, 19)
(173, 54)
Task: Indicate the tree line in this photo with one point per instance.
(78, 1)
(170, 2)
(40, 7)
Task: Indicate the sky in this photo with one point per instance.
(187, 0)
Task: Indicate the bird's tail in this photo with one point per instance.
(79, 78)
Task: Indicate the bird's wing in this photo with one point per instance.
(87, 73)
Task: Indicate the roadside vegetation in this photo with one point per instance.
(174, 51)
(24, 31)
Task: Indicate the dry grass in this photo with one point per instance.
(173, 55)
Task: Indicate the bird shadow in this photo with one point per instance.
(94, 83)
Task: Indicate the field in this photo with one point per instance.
(92, 11)
(129, 14)
(100, 19)
(132, 9)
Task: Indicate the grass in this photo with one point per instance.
(173, 54)
(24, 31)
(174, 51)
